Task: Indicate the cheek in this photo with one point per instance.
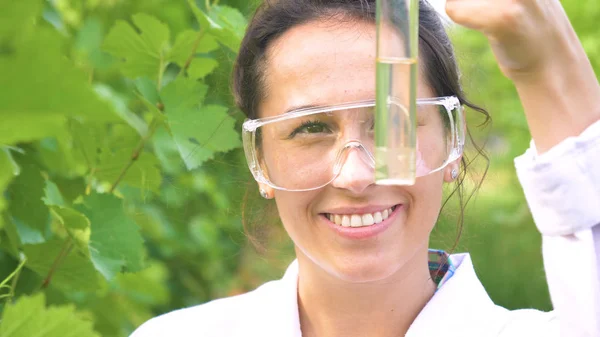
(295, 212)
(426, 202)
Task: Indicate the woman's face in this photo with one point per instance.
(325, 63)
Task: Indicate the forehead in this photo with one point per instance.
(320, 63)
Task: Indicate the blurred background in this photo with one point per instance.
(125, 191)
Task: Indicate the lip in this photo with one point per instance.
(359, 210)
(362, 233)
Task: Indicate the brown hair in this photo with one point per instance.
(275, 17)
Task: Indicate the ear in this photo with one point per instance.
(452, 166)
(266, 191)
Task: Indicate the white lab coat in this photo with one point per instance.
(562, 187)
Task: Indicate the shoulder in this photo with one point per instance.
(229, 316)
(463, 307)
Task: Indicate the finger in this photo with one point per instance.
(483, 15)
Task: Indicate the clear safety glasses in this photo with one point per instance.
(306, 149)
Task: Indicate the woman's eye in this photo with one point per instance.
(311, 128)
(314, 128)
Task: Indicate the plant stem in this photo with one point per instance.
(15, 280)
(194, 48)
(136, 153)
(64, 252)
(15, 277)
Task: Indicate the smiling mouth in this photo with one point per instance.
(360, 220)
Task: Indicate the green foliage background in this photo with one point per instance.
(123, 180)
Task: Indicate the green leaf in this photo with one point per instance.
(119, 103)
(226, 24)
(199, 132)
(184, 45)
(7, 173)
(17, 19)
(85, 140)
(147, 89)
(88, 42)
(141, 54)
(29, 317)
(182, 94)
(200, 67)
(74, 270)
(55, 155)
(70, 189)
(166, 152)
(26, 208)
(115, 156)
(76, 225)
(146, 286)
(52, 195)
(115, 242)
(34, 109)
(144, 173)
(231, 19)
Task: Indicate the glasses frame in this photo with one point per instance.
(250, 126)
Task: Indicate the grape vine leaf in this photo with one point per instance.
(76, 225)
(201, 66)
(184, 45)
(144, 173)
(147, 89)
(119, 104)
(88, 43)
(202, 132)
(85, 139)
(226, 24)
(7, 173)
(115, 241)
(230, 18)
(148, 285)
(29, 317)
(55, 155)
(166, 152)
(52, 195)
(116, 154)
(26, 208)
(74, 272)
(32, 110)
(142, 54)
(16, 18)
(199, 131)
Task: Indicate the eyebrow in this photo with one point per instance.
(298, 107)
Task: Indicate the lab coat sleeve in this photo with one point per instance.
(562, 188)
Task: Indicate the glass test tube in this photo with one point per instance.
(396, 86)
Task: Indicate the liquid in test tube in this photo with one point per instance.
(395, 111)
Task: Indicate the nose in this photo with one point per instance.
(357, 171)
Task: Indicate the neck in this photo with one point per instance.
(329, 306)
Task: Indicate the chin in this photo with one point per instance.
(364, 269)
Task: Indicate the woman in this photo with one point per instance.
(362, 259)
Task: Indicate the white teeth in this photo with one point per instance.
(359, 220)
(355, 220)
(346, 221)
(367, 220)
